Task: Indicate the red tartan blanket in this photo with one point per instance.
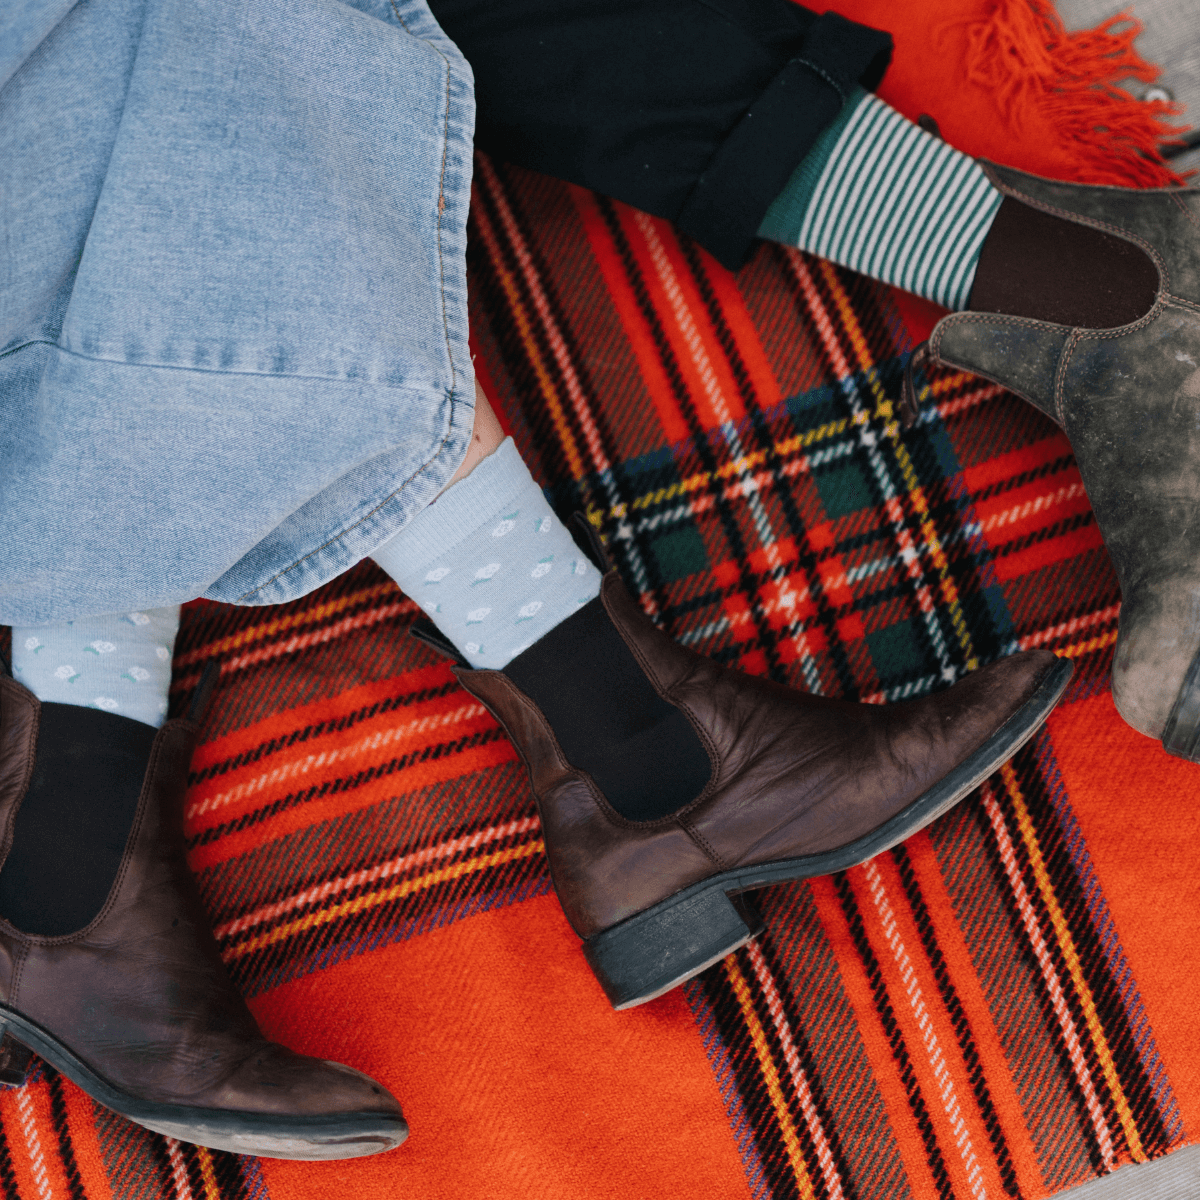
(1003, 1006)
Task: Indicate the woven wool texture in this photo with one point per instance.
(1002, 1006)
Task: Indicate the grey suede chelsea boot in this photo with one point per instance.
(1128, 397)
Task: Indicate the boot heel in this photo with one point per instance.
(14, 1061)
(1181, 736)
(650, 953)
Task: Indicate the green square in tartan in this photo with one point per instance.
(679, 552)
(898, 653)
(844, 487)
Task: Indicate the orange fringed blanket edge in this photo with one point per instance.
(1006, 80)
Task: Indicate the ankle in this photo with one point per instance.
(1034, 264)
(118, 662)
(640, 750)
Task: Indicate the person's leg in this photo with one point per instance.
(694, 111)
(271, 300)
(665, 781)
(751, 120)
(488, 560)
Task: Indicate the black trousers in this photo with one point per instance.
(694, 110)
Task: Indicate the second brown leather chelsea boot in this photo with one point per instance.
(108, 968)
(669, 785)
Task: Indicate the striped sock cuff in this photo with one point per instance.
(892, 202)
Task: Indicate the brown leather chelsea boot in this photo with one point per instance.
(669, 785)
(1087, 304)
(135, 1005)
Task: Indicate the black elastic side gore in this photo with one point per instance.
(71, 829)
(641, 750)
(1034, 264)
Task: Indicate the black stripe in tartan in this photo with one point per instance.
(815, 1078)
(156, 1146)
(320, 729)
(1070, 997)
(8, 1176)
(700, 443)
(766, 443)
(532, 397)
(756, 1102)
(191, 1164)
(62, 1132)
(985, 857)
(346, 783)
(958, 1018)
(1094, 963)
(229, 1170)
(506, 331)
(887, 1018)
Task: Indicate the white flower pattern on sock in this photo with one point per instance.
(118, 662)
(539, 579)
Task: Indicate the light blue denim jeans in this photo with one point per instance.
(233, 317)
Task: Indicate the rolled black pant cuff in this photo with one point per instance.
(751, 166)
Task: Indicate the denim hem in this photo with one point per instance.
(385, 516)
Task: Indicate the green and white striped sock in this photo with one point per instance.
(880, 195)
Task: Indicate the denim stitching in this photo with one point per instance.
(445, 326)
(441, 189)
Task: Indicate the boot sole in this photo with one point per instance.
(1181, 734)
(663, 946)
(268, 1135)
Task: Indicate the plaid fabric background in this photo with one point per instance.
(957, 1018)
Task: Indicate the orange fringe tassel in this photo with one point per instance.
(1023, 54)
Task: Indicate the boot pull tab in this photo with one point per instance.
(204, 690)
(910, 406)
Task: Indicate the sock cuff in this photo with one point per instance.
(886, 198)
(786, 215)
(459, 511)
(116, 662)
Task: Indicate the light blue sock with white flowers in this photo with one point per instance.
(119, 662)
(490, 563)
